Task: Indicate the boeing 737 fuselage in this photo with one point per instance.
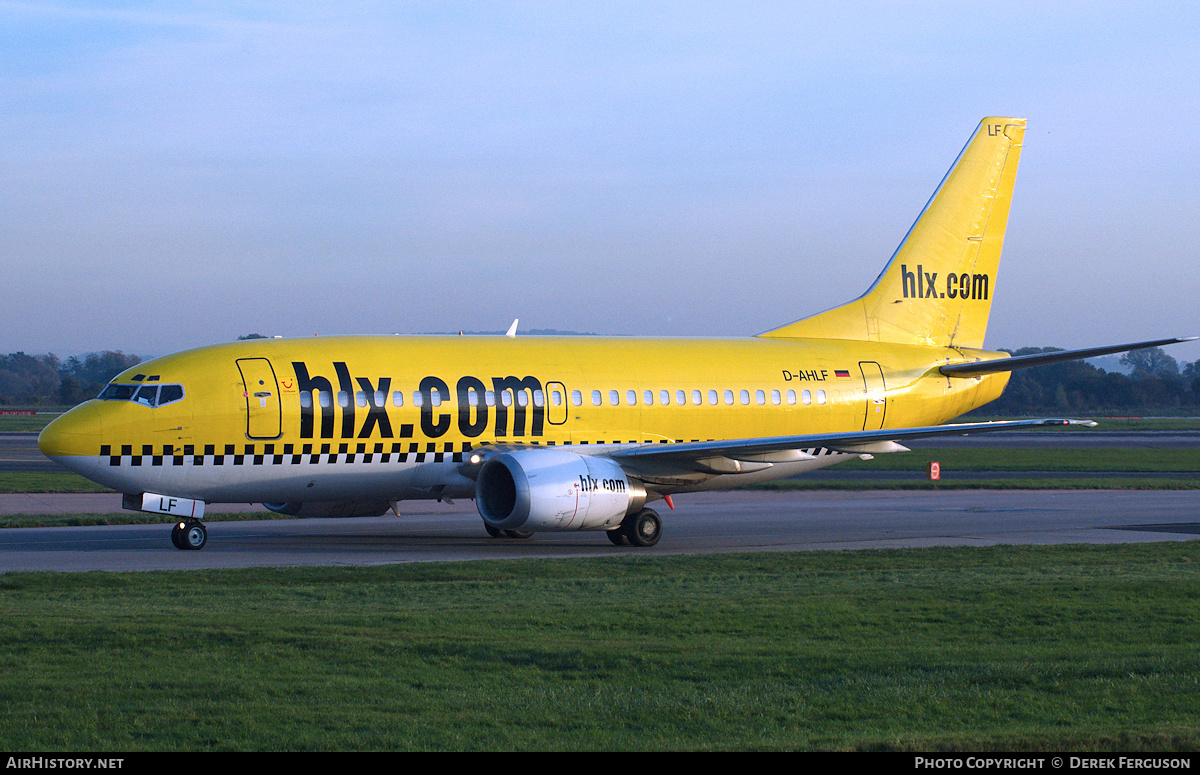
(571, 433)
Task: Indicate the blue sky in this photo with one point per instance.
(177, 174)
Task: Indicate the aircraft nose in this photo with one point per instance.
(75, 433)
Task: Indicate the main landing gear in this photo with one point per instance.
(496, 532)
(189, 534)
(641, 529)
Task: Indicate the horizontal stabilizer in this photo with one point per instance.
(977, 368)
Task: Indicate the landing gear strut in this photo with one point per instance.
(190, 534)
(641, 529)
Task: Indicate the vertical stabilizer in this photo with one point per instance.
(938, 287)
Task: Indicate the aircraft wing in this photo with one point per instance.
(742, 455)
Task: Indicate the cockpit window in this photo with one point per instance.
(118, 392)
(146, 395)
(169, 394)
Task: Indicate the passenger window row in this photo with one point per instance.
(701, 397)
(614, 398)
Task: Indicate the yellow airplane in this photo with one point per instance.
(553, 433)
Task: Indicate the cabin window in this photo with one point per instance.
(489, 397)
(806, 397)
(397, 398)
(614, 397)
(664, 397)
(539, 398)
(775, 398)
(361, 398)
(820, 396)
(325, 398)
(712, 397)
(343, 399)
(418, 401)
(791, 397)
(745, 397)
(760, 397)
(631, 397)
(648, 398)
(680, 397)
(596, 400)
(729, 398)
(576, 398)
(696, 399)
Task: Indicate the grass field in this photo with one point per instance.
(1046, 648)
(48, 481)
(29, 423)
(1028, 469)
(1099, 460)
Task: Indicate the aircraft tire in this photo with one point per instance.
(177, 536)
(496, 532)
(617, 536)
(194, 536)
(643, 529)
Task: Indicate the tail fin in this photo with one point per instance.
(938, 287)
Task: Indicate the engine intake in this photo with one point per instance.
(555, 490)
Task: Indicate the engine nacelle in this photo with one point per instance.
(329, 509)
(552, 489)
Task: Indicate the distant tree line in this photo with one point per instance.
(46, 380)
(1156, 383)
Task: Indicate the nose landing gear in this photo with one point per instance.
(189, 535)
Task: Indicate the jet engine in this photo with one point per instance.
(552, 489)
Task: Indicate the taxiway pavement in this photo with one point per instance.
(737, 521)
